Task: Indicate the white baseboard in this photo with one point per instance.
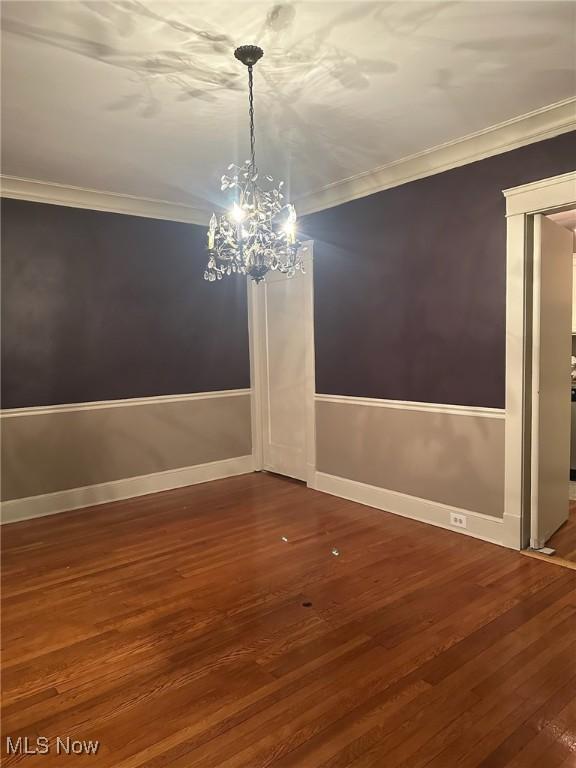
(75, 498)
(433, 512)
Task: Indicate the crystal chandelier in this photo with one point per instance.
(259, 232)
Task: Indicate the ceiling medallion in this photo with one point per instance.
(258, 234)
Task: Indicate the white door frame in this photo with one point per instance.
(522, 203)
(257, 373)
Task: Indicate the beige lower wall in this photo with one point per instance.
(58, 450)
(444, 457)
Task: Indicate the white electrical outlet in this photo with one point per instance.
(459, 521)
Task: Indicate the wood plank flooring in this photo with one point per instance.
(180, 629)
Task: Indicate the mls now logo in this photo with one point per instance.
(23, 745)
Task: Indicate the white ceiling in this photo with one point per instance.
(146, 98)
(566, 219)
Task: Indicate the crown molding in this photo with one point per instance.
(534, 126)
(37, 191)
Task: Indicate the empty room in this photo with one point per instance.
(288, 372)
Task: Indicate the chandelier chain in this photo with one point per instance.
(251, 112)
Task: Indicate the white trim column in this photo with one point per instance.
(257, 340)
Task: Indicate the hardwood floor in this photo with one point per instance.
(564, 540)
(181, 629)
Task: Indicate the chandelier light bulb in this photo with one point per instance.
(290, 225)
(212, 231)
(238, 214)
(259, 234)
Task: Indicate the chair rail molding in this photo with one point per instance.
(412, 405)
(94, 405)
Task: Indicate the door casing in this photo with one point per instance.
(522, 203)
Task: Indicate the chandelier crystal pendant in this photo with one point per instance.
(259, 233)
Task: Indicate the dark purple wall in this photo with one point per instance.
(410, 283)
(100, 306)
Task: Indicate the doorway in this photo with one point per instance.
(552, 324)
(281, 323)
(540, 219)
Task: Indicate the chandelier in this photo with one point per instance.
(259, 233)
